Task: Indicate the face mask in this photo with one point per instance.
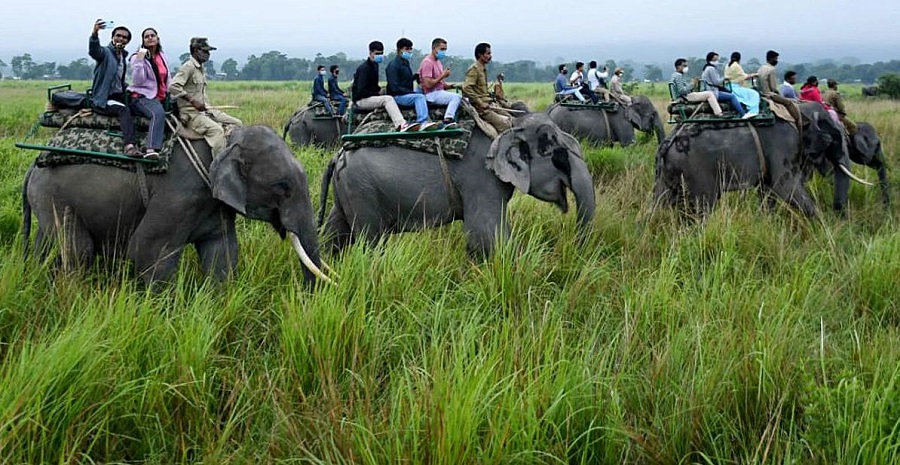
(406, 55)
(684, 70)
(775, 63)
(379, 58)
(441, 54)
(565, 71)
(322, 72)
(714, 63)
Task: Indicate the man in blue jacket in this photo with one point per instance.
(334, 90)
(318, 90)
(108, 86)
(400, 84)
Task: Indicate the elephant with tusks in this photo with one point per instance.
(103, 210)
(696, 164)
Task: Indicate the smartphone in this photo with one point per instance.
(105, 24)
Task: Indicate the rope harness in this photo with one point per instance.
(192, 156)
(448, 181)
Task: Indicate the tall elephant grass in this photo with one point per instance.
(749, 336)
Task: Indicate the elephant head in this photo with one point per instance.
(258, 176)
(541, 160)
(644, 117)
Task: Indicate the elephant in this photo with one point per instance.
(866, 149)
(104, 210)
(698, 164)
(870, 91)
(589, 123)
(384, 190)
(305, 129)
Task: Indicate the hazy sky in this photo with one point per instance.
(864, 28)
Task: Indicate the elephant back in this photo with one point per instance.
(102, 141)
(378, 122)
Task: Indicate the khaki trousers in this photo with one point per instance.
(498, 121)
(383, 101)
(707, 96)
(211, 125)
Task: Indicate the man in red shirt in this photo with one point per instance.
(432, 75)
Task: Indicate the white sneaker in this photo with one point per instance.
(749, 115)
(428, 126)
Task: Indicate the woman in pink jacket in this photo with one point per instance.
(150, 80)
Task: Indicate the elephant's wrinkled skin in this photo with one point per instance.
(386, 190)
(699, 165)
(589, 123)
(310, 131)
(99, 210)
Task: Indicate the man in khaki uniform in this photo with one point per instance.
(833, 98)
(475, 88)
(189, 90)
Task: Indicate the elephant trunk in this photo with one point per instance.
(583, 188)
(659, 127)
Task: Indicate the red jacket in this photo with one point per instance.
(812, 94)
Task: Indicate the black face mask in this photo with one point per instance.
(565, 71)
(774, 62)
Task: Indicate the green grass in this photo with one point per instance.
(749, 337)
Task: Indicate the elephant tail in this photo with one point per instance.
(326, 182)
(26, 214)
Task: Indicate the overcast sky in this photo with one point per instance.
(537, 29)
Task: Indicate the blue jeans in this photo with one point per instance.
(342, 106)
(731, 98)
(153, 110)
(442, 97)
(326, 102)
(414, 100)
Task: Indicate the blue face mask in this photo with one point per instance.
(406, 55)
(379, 58)
(441, 54)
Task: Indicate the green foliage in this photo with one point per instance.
(750, 336)
(889, 84)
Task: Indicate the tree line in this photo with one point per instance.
(277, 66)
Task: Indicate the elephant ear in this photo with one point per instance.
(509, 158)
(633, 116)
(228, 174)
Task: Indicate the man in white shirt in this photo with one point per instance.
(596, 80)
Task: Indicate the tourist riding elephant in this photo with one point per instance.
(866, 149)
(307, 129)
(697, 163)
(102, 210)
(589, 123)
(382, 190)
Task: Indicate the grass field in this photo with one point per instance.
(750, 337)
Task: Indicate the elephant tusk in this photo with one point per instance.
(304, 258)
(853, 177)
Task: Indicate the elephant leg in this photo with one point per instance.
(792, 191)
(76, 247)
(155, 248)
(218, 255)
(337, 231)
(766, 198)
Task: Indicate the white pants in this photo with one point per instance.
(383, 101)
(442, 97)
(709, 97)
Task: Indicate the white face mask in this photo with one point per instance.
(684, 70)
(322, 72)
(714, 63)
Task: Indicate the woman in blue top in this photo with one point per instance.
(712, 81)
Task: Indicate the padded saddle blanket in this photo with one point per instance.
(99, 140)
(378, 121)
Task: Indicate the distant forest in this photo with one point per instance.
(277, 66)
